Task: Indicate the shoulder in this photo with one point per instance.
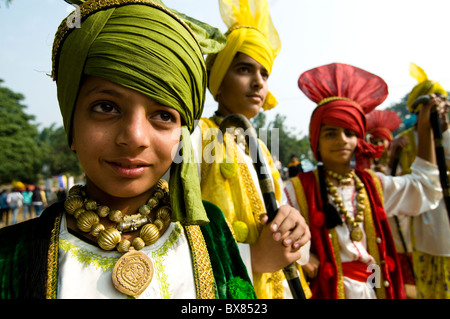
(26, 244)
(20, 232)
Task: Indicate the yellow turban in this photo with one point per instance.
(424, 86)
(250, 31)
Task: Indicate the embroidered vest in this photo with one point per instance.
(329, 282)
(29, 258)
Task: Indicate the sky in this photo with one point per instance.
(382, 37)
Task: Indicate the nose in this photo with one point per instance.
(379, 142)
(134, 130)
(342, 137)
(258, 80)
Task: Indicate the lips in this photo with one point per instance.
(343, 150)
(255, 97)
(128, 168)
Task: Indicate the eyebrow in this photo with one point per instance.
(248, 64)
(100, 90)
(242, 63)
(327, 128)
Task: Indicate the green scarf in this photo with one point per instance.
(142, 45)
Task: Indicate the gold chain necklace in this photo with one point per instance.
(133, 272)
(354, 223)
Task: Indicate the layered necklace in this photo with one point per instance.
(354, 223)
(133, 272)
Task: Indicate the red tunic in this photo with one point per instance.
(328, 282)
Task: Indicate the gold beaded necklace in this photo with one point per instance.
(133, 272)
(354, 223)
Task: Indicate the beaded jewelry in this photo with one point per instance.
(354, 223)
(133, 272)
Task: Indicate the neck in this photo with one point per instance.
(222, 110)
(338, 168)
(127, 205)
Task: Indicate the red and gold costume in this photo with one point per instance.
(355, 266)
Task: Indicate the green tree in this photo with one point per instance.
(57, 157)
(259, 121)
(402, 111)
(286, 141)
(19, 156)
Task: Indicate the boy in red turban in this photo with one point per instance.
(380, 125)
(352, 252)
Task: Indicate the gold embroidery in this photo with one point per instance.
(371, 237)
(337, 258)
(278, 289)
(203, 273)
(377, 184)
(301, 199)
(336, 253)
(52, 260)
(252, 193)
(240, 190)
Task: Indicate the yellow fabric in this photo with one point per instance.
(433, 275)
(424, 86)
(409, 152)
(250, 32)
(237, 197)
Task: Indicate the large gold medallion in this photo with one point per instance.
(356, 234)
(133, 273)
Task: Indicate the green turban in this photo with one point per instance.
(142, 45)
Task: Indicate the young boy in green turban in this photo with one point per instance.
(130, 83)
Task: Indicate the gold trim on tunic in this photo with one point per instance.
(52, 260)
(203, 273)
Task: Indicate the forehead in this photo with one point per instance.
(327, 127)
(333, 128)
(244, 59)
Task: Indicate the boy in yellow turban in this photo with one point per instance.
(431, 230)
(238, 81)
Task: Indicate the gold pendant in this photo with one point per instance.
(132, 273)
(356, 234)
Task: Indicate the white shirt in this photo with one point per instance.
(408, 195)
(432, 228)
(85, 271)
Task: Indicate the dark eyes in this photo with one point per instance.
(333, 133)
(164, 116)
(246, 69)
(110, 108)
(349, 133)
(105, 107)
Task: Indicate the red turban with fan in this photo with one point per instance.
(381, 124)
(344, 94)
